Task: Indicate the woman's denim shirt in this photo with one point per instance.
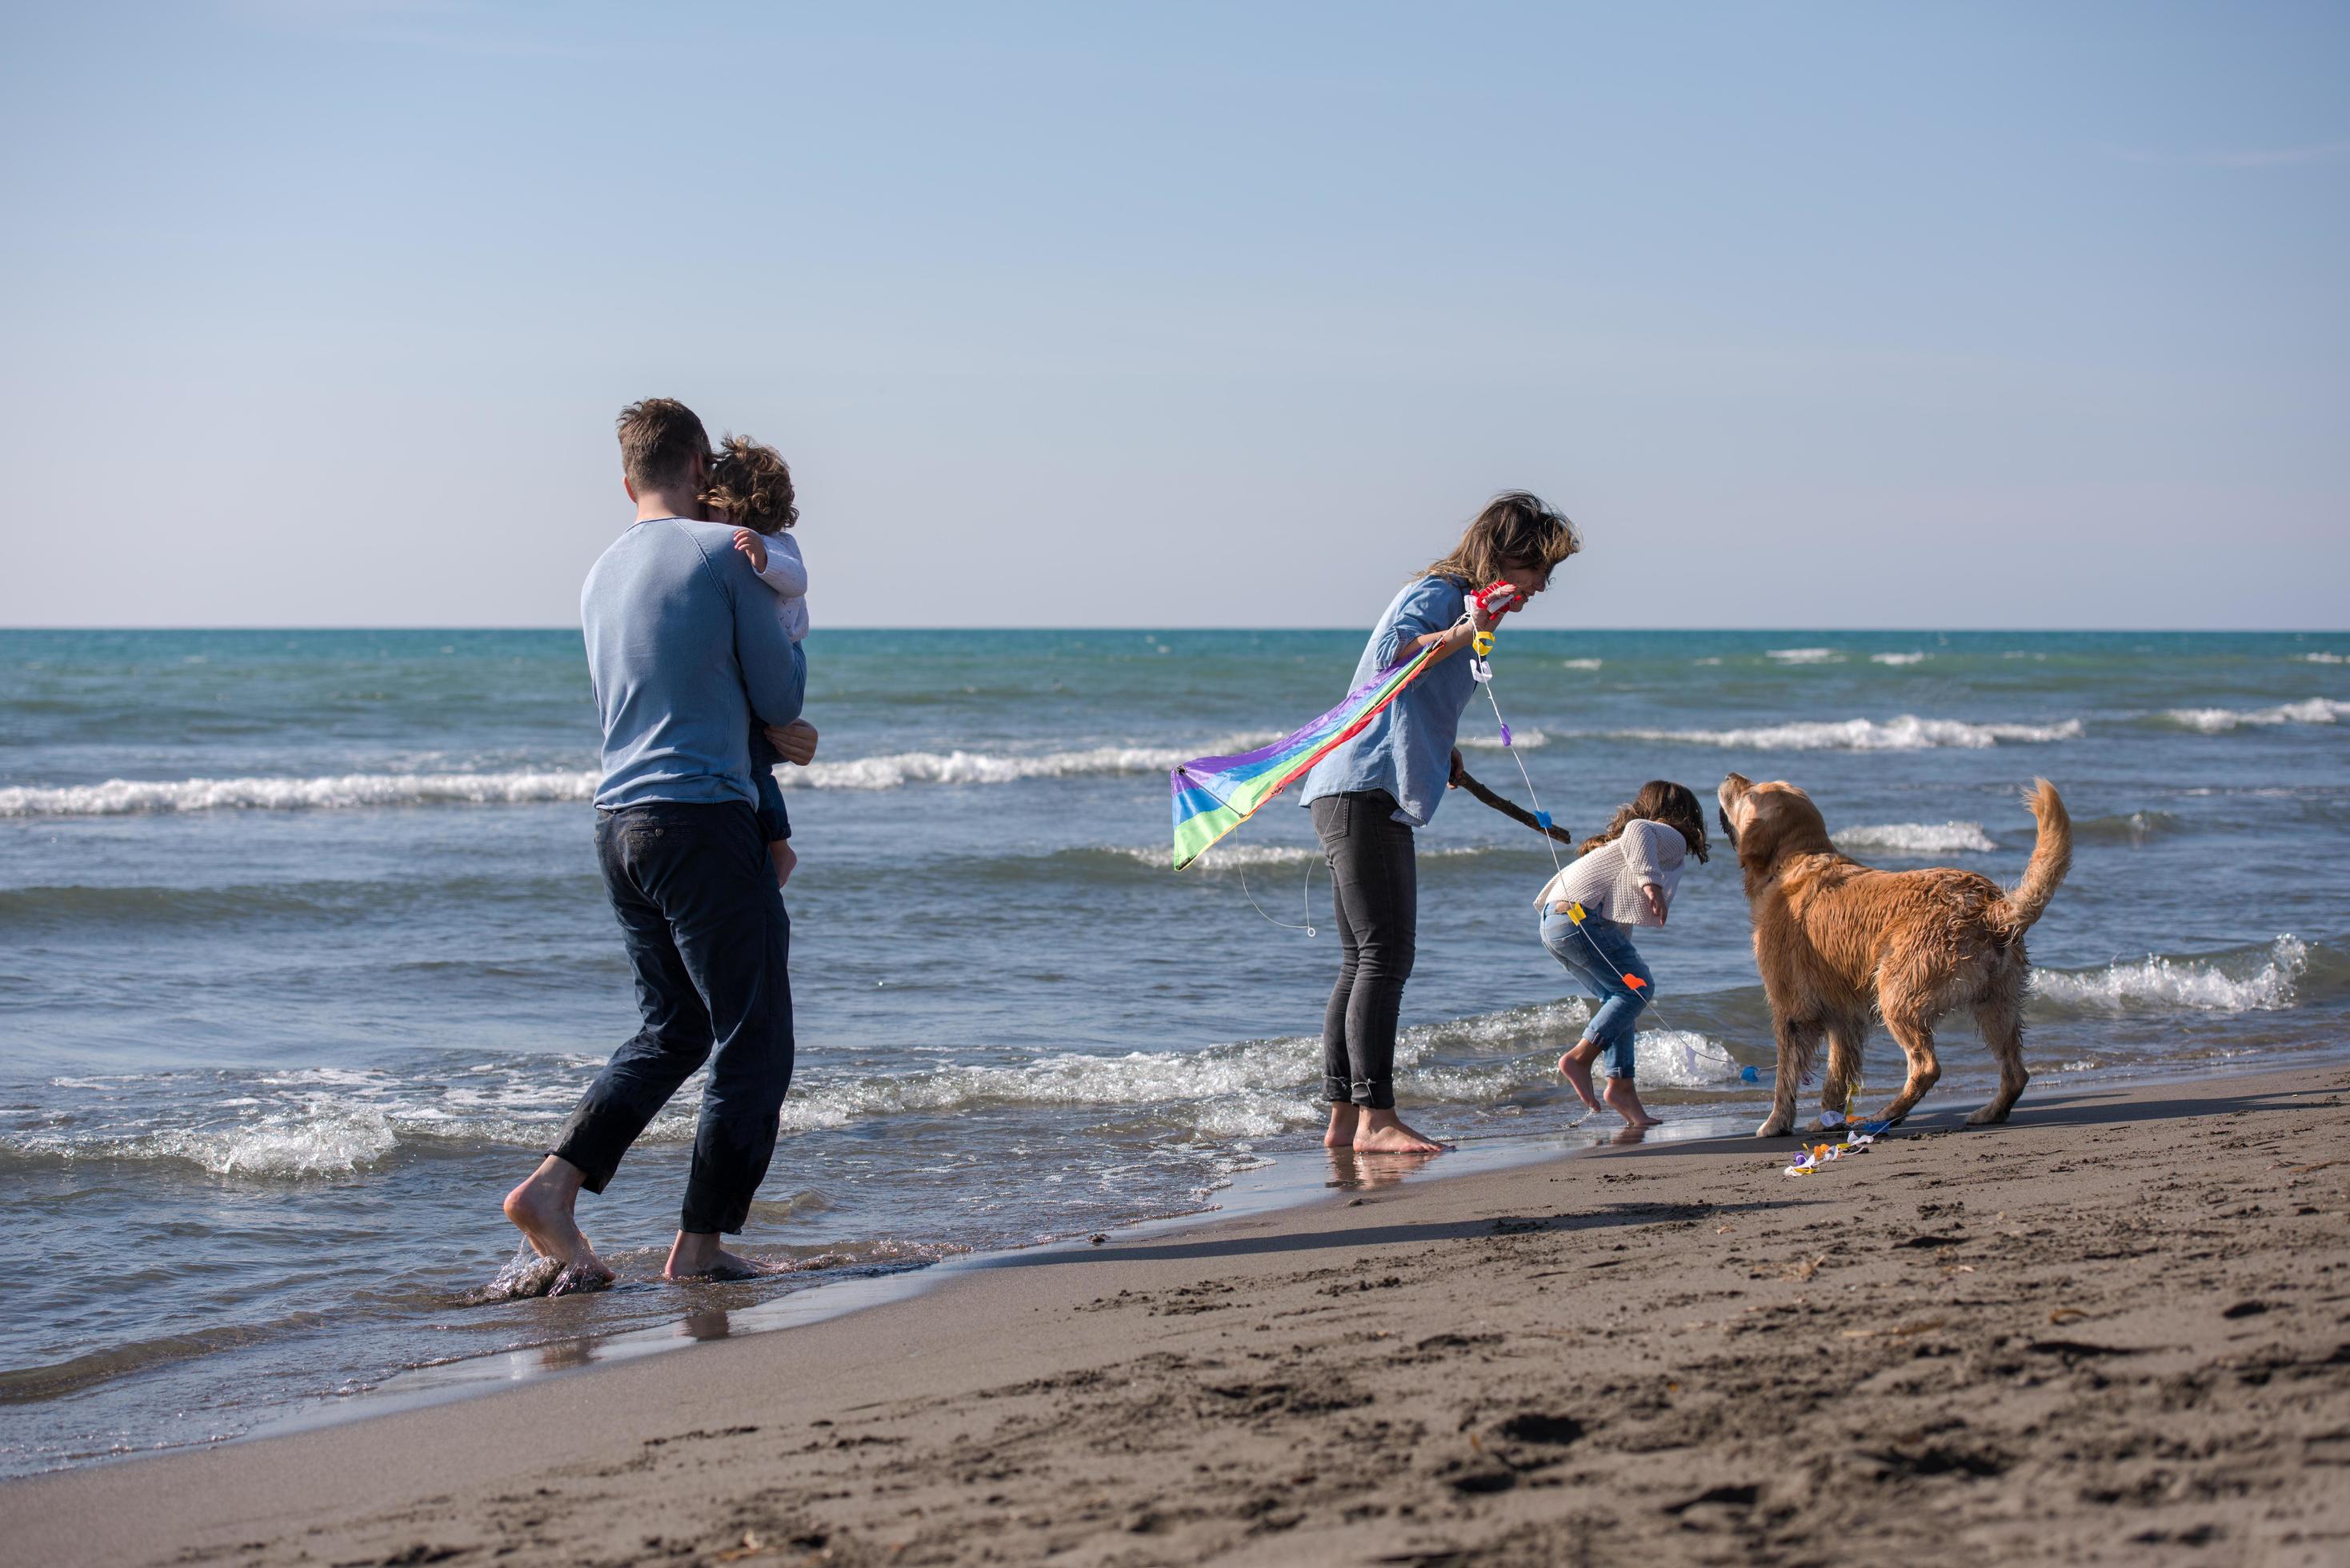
(1407, 750)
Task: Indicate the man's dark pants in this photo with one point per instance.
(706, 932)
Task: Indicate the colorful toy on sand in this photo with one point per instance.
(1858, 1137)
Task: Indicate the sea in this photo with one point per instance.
(303, 952)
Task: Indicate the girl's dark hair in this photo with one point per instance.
(751, 483)
(1659, 800)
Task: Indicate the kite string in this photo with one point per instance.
(1654, 1012)
(1305, 897)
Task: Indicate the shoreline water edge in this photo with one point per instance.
(2111, 1329)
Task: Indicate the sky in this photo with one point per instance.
(1811, 315)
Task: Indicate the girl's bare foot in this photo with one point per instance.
(697, 1256)
(1576, 1068)
(1625, 1102)
(1341, 1135)
(1383, 1132)
(541, 1209)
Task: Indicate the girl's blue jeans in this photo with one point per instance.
(1597, 952)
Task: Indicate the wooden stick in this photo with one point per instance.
(1508, 807)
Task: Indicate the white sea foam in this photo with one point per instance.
(2195, 985)
(899, 769)
(1596, 663)
(121, 797)
(1527, 738)
(1805, 655)
(323, 1137)
(1917, 837)
(1908, 732)
(2218, 720)
(1896, 657)
(2321, 658)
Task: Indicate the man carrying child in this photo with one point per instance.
(686, 650)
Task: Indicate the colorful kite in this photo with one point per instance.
(1215, 794)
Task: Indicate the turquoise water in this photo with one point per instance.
(302, 949)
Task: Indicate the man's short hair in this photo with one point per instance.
(659, 438)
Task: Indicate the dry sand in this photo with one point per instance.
(2117, 1330)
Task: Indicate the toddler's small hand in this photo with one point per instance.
(751, 545)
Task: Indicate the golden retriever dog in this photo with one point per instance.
(1837, 941)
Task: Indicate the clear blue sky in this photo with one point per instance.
(1812, 315)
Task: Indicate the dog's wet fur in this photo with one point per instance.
(1839, 942)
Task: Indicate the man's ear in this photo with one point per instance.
(628, 488)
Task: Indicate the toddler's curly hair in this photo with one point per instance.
(751, 482)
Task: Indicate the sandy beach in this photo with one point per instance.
(2117, 1328)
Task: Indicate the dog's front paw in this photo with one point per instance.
(1777, 1126)
(1989, 1116)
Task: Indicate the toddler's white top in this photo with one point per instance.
(787, 575)
(1607, 881)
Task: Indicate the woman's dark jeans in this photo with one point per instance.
(705, 930)
(1375, 890)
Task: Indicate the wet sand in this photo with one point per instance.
(2116, 1329)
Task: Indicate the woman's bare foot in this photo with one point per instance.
(1624, 1101)
(1383, 1132)
(541, 1209)
(1341, 1135)
(784, 860)
(1576, 1068)
(696, 1255)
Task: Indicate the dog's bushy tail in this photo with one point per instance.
(2052, 857)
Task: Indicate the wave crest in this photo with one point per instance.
(1906, 732)
(131, 797)
(2199, 986)
(1917, 837)
(2220, 720)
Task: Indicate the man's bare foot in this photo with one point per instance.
(541, 1209)
(781, 853)
(696, 1255)
(1576, 1068)
(1383, 1132)
(1342, 1116)
(1624, 1101)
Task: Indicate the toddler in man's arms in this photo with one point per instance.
(751, 487)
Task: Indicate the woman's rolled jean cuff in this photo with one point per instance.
(1371, 1093)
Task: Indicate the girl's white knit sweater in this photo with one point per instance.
(1606, 882)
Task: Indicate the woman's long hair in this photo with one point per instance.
(1659, 800)
(1517, 529)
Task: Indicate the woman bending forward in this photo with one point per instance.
(1367, 795)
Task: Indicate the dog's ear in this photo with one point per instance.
(1729, 834)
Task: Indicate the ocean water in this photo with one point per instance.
(302, 950)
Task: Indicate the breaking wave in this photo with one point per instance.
(127, 798)
(2133, 827)
(2220, 720)
(899, 769)
(1584, 663)
(2322, 658)
(1917, 837)
(1527, 738)
(1896, 657)
(1804, 655)
(2195, 985)
(1906, 733)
